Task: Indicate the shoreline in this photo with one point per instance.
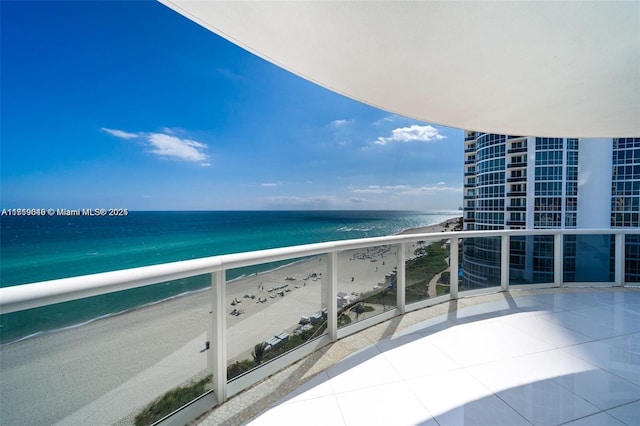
(439, 227)
(447, 225)
(110, 368)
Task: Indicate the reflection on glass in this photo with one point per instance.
(632, 259)
(531, 259)
(589, 258)
(366, 283)
(271, 311)
(480, 263)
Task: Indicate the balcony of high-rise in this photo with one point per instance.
(454, 327)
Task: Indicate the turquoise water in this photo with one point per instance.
(34, 249)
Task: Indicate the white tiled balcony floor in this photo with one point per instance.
(559, 358)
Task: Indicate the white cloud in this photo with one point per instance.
(375, 189)
(120, 133)
(439, 187)
(413, 133)
(430, 190)
(167, 145)
(175, 148)
(341, 123)
(268, 184)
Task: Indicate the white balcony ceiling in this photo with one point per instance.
(560, 68)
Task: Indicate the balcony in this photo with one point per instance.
(470, 161)
(518, 222)
(517, 150)
(516, 208)
(516, 164)
(517, 194)
(517, 179)
(470, 173)
(105, 371)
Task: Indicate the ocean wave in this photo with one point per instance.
(354, 229)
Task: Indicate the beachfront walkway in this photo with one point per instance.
(537, 357)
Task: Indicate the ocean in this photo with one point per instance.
(42, 248)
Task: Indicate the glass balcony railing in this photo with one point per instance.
(227, 322)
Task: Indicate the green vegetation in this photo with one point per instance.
(259, 351)
(445, 277)
(360, 308)
(343, 319)
(419, 272)
(442, 289)
(171, 401)
(240, 367)
(422, 269)
(261, 355)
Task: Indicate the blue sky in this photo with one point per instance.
(130, 105)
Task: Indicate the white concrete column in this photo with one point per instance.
(595, 160)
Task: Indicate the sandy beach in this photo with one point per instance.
(108, 370)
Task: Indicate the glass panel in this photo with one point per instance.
(273, 308)
(632, 259)
(531, 259)
(480, 263)
(589, 258)
(111, 367)
(427, 270)
(366, 283)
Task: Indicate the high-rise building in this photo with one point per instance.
(526, 182)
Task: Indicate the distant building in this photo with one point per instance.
(525, 182)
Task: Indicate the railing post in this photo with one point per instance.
(219, 338)
(619, 259)
(453, 268)
(558, 265)
(401, 278)
(504, 263)
(332, 295)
